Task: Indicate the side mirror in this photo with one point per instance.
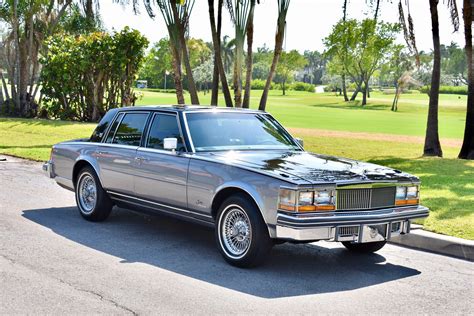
(300, 141)
(170, 144)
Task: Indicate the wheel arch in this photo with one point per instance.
(225, 192)
(79, 165)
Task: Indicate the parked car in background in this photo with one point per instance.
(236, 170)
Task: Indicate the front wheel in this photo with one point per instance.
(369, 247)
(93, 202)
(241, 234)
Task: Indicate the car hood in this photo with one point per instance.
(309, 167)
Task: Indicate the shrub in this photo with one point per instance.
(84, 76)
(259, 84)
(447, 89)
(302, 86)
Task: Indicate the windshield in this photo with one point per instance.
(217, 131)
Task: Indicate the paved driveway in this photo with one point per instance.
(52, 261)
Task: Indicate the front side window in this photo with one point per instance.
(164, 126)
(217, 131)
(130, 130)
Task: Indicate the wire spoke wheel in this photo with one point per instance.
(235, 231)
(87, 193)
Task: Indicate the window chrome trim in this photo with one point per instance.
(191, 142)
(119, 117)
(147, 134)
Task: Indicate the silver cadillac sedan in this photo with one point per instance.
(238, 171)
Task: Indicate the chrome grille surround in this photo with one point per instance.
(365, 198)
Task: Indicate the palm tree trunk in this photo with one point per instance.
(215, 75)
(279, 37)
(189, 72)
(467, 149)
(218, 56)
(249, 61)
(176, 60)
(432, 145)
(343, 77)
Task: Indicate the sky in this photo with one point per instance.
(308, 21)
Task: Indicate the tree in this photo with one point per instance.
(467, 149)
(215, 73)
(432, 145)
(361, 47)
(239, 12)
(249, 61)
(287, 66)
(157, 62)
(283, 6)
(176, 15)
(343, 56)
(316, 64)
(217, 53)
(30, 22)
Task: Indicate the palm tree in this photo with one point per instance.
(215, 75)
(283, 6)
(249, 61)
(239, 12)
(432, 145)
(217, 53)
(467, 149)
(227, 47)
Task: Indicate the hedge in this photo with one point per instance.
(447, 89)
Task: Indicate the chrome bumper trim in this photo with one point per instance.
(305, 227)
(48, 168)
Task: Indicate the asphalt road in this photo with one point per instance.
(52, 261)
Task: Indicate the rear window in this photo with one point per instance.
(98, 134)
(130, 130)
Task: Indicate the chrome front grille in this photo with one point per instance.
(369, 198)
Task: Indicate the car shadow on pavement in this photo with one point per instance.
(190, 250)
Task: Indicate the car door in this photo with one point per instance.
(162, 174)
(116, 155)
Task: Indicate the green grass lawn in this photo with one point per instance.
(447, 184)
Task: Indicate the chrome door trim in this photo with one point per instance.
(158, 204)
(147, 132)
(188, 133)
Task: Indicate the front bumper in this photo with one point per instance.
(48, 168)
(356, 226)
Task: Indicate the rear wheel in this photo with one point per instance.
(369, 247)
(241, 234)
(92, 201)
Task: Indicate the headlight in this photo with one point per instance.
(307, 201)
(407, 195)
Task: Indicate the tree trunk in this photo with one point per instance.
(249, 61)
(215, 75)
(344, 88)
(237, 78)
(16, 78)
(189, 72)
(279, 37)
(7, 95)
(467, 149)
(395, 99)
(432, 145)
(283, 88)
(176, 60)
(364, 94)
(217, 51)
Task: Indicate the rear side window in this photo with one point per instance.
(113, 128)
(130, 130)
(99, 131)
(164, 126)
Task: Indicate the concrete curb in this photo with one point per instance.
(436, 243)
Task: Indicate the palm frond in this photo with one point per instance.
(454, 14)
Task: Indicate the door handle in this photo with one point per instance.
(141, 159)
